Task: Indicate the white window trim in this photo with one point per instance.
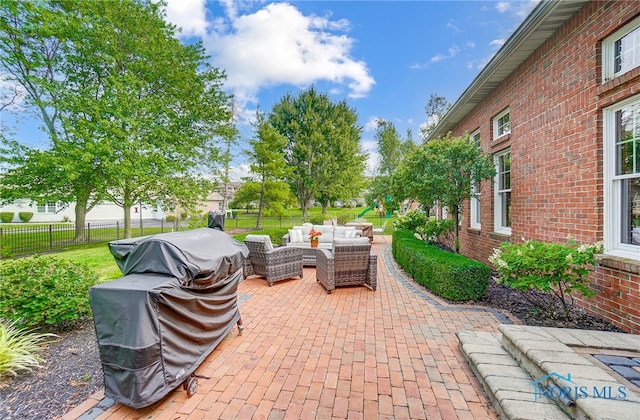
(497, 203)
(494, 123)
(474, 202)
(612, 243)
(608, 53)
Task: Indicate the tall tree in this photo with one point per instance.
(435, 110)
(31, 56)
(443, 170)
(277, 196)
(322, 146)
(266, 158)
(129, 109)
(391, 150)
(343, 163)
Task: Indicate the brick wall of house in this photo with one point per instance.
(555, 100)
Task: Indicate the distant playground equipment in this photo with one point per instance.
(368, 209)
(387, 213)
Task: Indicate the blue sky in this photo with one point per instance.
(384, 57)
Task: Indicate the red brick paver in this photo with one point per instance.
(355, 353)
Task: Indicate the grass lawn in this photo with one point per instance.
(101, 261)
(98, 258)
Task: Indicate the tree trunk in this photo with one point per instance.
(127, 220)
(260, 206)
(126, 208)
(81, 214)
(456, 230)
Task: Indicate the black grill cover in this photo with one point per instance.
(215, 220)
(198, 257)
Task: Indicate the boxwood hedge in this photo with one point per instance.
(448, 275)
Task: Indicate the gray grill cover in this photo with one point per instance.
(198, 257)
(177, 301)
(153, 333)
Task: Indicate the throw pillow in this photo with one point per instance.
(295, 235)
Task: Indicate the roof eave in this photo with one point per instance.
(540, 25)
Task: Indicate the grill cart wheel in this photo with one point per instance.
(191, 386)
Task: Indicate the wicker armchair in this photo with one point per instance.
(350, 263)
(274, 264)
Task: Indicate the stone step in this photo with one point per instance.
(581, 388)
(550, 373)
(509, 387)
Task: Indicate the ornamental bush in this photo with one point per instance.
(44, 291)
(446, 274)
(6, 216)
(411, 220)
(556, 269)
(19, 349)
(25, 216)
(435, 230)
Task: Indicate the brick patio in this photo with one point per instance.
(357, 354)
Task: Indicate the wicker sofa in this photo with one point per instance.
(274, 264)
(349, 263)
(298, 237)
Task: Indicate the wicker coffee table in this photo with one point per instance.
(309, 257)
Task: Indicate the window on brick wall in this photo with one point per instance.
(622, 178)
(474, 203)
(502, 193)
(621, 51)
(502, 124)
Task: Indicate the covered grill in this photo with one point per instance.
(176, 302)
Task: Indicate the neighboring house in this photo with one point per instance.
(214, 202)
(108, 211)
(55, 212)
(559, 108)
(228, 191)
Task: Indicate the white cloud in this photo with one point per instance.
(497, 43)
(12, 95)
(453, 27)
(451, 52)
(190, 15)
(503, 6)
(371, 124)
(237, 173)
(279, 45)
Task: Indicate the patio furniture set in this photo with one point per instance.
(342, 257)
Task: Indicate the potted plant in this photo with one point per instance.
(314, 237)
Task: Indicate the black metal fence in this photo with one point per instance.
(41, 238)
(32, 238)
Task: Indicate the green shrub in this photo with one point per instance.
(435, 230)
(183, 215)
(25, 216)
(318, 219)
(275, 234)
(44, 290)
(5, 251)
(411, 220)
(19, 349)
(6, 216)
(448, 275)
(170, 218)
(556, 269)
